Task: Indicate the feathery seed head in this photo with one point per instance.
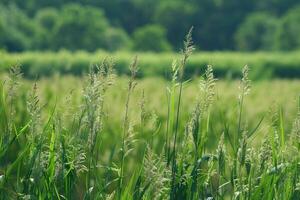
(245, 85)
(208, 87)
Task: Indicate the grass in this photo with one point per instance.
(110, 137)
(264, 65)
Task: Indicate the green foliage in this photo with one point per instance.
(80, 27)
(288, 34)
(218, 24)
(117, 39)
(17, 31)
(46, 19)
(263, 65)
(150, 38)
(176, 17)
(257, 32)
(72, 27)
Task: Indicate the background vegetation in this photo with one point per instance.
(226, 64)
(123, 24)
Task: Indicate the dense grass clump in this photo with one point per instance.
(75, 148)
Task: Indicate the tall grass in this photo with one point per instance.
(65, 155)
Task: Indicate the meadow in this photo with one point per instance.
(264, 65)
(108, 136)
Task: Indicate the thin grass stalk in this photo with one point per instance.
(167, 143)
(187, 51)
(171, 96)
(131, 85)
(245, 89)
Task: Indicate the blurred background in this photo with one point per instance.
(149, 25)
(65, 37)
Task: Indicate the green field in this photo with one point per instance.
(264, 65)
(101, 100)
(103, 136)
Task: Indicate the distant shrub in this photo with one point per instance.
(257, 32)
(80, 27)
(288, 34)
(46, 19)
(117, 39)
(17, 31)
(151, 38)
(177, 17)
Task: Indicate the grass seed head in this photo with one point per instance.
(245, 85)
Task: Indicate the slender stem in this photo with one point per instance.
(125, 127)
(241, 102)
(167, 131)
(176, 133)
(177, 122)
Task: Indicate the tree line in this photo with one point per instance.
(148, 25)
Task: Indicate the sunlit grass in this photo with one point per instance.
(103, 136)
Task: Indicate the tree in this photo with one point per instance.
(289, 31)
(17, 31)
(176, 16)
(117, 39)
(46, 19)
(55, 24)
(257, 32)
(277, 7)
(150, 38)
(80, 27)
(216, 21)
